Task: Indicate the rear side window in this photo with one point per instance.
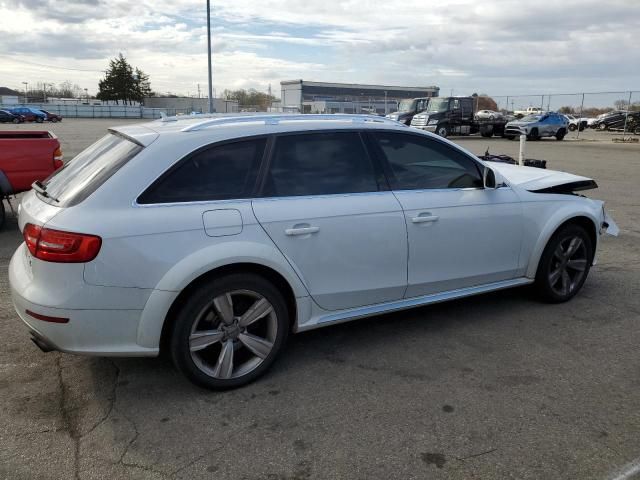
(88, 170)
(220, 172)
(319, 164)
(421, 163)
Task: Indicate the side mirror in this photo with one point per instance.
(492, 179)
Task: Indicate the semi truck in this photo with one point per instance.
(456, 116)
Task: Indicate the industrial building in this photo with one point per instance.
(320, 97)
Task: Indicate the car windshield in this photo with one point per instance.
(407, 106)
(531, 118)
(80, 177)
(438, 105)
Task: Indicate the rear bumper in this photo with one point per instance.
(102, 332)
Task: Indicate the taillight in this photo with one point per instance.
(57, 158)
(64, 247)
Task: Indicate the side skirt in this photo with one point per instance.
(371, 310)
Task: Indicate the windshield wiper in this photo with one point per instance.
(39, 187)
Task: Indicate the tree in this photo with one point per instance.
(123, 82)
(250, 98)
(620, 104)
(567, 110)
(484, 102)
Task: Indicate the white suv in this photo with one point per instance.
(213, 238)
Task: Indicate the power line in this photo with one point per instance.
(51, 66)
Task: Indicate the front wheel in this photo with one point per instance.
(54, 120)
(561, 133)
(572, 127)
(564, 264)
(16, 120)
(533, 135)
(443, 131)
(602, 126)
(229, 331)
(39, 120)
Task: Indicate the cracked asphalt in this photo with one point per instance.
(492, 387)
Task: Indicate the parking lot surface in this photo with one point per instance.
(491, 387)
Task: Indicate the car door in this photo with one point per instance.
(460, 234)
(326, 207)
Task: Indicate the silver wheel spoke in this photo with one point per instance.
(559, 253)
(257, 311)
(201, 340)
(259, 346)
(579, 265)
(566, 282)
(573, 247)
(555, 276)
(224, 306)
(224, 366)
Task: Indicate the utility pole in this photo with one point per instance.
(198, 90)
(209, 56)
(385, 103)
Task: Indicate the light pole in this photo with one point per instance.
(385, 102)
(86, 95)
(209, 56)
(26, 92)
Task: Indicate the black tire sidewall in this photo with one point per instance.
(2, 211)
(179, 342)
(542, 275)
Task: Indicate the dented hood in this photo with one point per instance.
(540, 180)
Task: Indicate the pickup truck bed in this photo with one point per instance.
(26, 156)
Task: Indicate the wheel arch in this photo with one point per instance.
(203, 266)
(583, 219)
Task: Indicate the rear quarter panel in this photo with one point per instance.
(24, 160)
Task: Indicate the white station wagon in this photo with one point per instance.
(213, 238)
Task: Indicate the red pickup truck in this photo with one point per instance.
(25, 157)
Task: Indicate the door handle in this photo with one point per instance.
(301, 230)
(424, 218)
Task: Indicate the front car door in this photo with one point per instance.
(326, 207)
(460, 234)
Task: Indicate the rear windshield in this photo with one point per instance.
(82, 176)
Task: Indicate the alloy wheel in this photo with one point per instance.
(233, 334)
(568, 266)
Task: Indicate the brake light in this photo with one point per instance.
(63, 247)
(57, 158)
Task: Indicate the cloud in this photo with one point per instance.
(498, 47)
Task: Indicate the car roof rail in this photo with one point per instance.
(276, 119)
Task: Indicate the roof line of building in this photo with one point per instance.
(356, 85)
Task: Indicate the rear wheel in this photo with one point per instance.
(443, 131)
(229, 331)
(602, 126)
(564, 264)
(39, 120)
(16, 120)
(54, 120)
(561, 133)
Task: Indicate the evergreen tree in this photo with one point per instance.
(123, 83)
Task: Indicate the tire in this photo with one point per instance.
(602, 126)
(533, 135)
(54, 120)
(572, 127)
(509, 137)
(557, 288)
(215, 366)
(561, 133)
(39, 120)
(637, 131)
(487, 134)
(16, 120)
(2, 212)
(443, 131)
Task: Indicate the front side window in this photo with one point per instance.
(418, 163)
(219, 172)
(319, 164)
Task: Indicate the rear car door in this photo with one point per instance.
(460, 234)
(326, 206)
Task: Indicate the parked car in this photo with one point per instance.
(536, 127)
(488, 114)
(52, 117)
(25, 157)
(616, 119)
(215, 238)
(528, 111)
(408, 108)
(8, 117)
(575, 122)
(30, 114)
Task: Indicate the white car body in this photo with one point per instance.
(487, 114)
(371, 253)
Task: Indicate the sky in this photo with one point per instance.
(500, 47)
